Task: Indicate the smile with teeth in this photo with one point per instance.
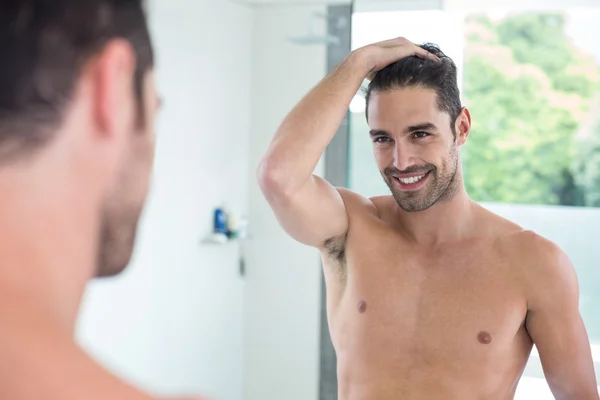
(412, 179)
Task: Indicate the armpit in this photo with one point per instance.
(336, 248)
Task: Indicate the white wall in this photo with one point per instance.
(173, 322)
(282, 299)
(181, 319)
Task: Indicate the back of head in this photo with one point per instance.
(422, 73)
(80, 69)
(43, 46)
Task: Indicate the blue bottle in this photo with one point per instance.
(220, 222)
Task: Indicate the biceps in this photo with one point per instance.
(313, 214)
(562, 342)
(556, 335)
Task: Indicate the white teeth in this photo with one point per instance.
(410, 180)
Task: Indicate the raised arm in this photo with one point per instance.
(556, 327)
(308, 207)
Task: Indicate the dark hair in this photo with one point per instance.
(43, 46)
(418, 72)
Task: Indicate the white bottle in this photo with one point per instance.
(233, 224)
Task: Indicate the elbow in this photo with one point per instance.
(271, 179)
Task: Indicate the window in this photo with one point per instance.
(531, 80)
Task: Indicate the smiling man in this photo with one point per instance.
(429, 295)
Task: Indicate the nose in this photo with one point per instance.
(402, 156)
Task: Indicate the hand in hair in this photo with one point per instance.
(381, 54)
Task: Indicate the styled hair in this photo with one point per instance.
(43, 46)
(415, 71)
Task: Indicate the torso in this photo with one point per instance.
(410, 322)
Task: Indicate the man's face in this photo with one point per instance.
(123, 207)
(414, 146)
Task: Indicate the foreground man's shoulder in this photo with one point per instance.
(55, 367)
(41, 359)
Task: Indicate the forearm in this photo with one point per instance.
(305, 133)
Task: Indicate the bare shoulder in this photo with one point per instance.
(352, 198)
(30, 341)
(540, 254)
(536, 259)
(543, 268)
(355, 203)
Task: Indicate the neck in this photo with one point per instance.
(444, 222)
(46, 255)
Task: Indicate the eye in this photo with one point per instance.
(420, 135)
(381, 139)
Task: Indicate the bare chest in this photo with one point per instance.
(458, 306)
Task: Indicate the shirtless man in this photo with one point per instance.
(429, 295)
(77, 107)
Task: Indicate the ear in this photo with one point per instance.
(113, 83)
(462, 126)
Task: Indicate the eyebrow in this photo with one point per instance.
(425, 126)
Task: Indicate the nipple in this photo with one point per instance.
(362, 306)
(484, 338)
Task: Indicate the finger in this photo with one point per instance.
(421, 52)
(405, 44)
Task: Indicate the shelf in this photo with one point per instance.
(216, 239)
